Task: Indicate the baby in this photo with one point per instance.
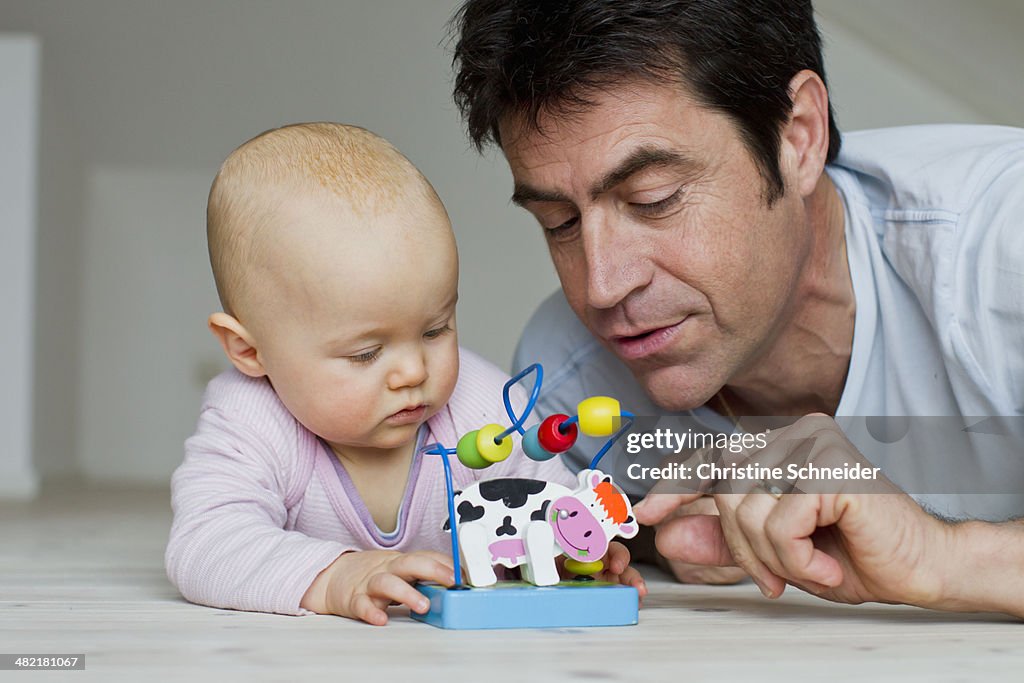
(304, 488)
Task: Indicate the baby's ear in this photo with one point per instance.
(238, 344)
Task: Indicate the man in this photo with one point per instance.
(719, 255)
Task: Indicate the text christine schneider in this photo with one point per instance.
(736, 444)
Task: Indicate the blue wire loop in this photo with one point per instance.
(517, 422)
(629, 417)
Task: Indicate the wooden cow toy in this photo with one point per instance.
(528, 523)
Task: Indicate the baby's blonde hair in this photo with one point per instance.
(362, 169)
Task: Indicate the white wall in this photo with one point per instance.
(19, 83)
(871, 89)
(141, 101)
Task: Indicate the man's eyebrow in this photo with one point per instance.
(639, 160)
(524, 194)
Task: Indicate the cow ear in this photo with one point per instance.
(595, 479)
(628, 530)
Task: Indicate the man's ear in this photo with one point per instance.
(238, 344)
(806, 133)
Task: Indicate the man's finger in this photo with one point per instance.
(696, 539)
(789, 528)
(658, 506)
(743, 553)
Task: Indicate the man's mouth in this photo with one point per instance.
(645, 343)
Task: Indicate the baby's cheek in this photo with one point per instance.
(445, 371)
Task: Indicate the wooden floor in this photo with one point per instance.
(81, 571)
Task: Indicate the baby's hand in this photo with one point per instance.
(617, 569)
(361, 585)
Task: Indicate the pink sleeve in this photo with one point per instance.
(228, 545)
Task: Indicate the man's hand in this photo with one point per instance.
(841, 545)
(672, 533)
(361, 585)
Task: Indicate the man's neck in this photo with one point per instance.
(804, 368)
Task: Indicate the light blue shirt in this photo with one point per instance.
(935, 242)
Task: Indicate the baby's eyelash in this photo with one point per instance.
(438, 331)
(367, 357)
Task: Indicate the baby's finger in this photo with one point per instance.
(369, 610)
(617, 558)
(423, 566)
(631, 577)
(394, 589)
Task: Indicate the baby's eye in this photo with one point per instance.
(367, 357)
(437, 331)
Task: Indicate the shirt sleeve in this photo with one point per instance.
(988, 298)
(228, 545)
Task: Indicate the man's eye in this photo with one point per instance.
(565, 231)
(437, 332)
(367, 357)
(659, 207)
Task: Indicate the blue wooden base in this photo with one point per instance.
(516, 604)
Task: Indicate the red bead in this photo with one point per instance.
(553, 439)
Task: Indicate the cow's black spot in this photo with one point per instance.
(511, 492)
(506, 528)
(467, 513)
(541, 513)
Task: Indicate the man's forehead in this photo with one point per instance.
(601, 136)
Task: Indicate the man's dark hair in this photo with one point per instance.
(524, 57)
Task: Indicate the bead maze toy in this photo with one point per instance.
(528, 523)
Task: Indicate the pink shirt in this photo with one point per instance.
(262, 506)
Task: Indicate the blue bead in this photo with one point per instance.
(532, 447)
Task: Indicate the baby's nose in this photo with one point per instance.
(410, 371)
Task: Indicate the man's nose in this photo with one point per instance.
(614, 262)
(409, 370)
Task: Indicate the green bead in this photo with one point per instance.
(468, 453)
(488, 449)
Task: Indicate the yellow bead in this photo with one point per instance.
(599, 416)
(584, 568)
(490, 451)
(469, 454)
